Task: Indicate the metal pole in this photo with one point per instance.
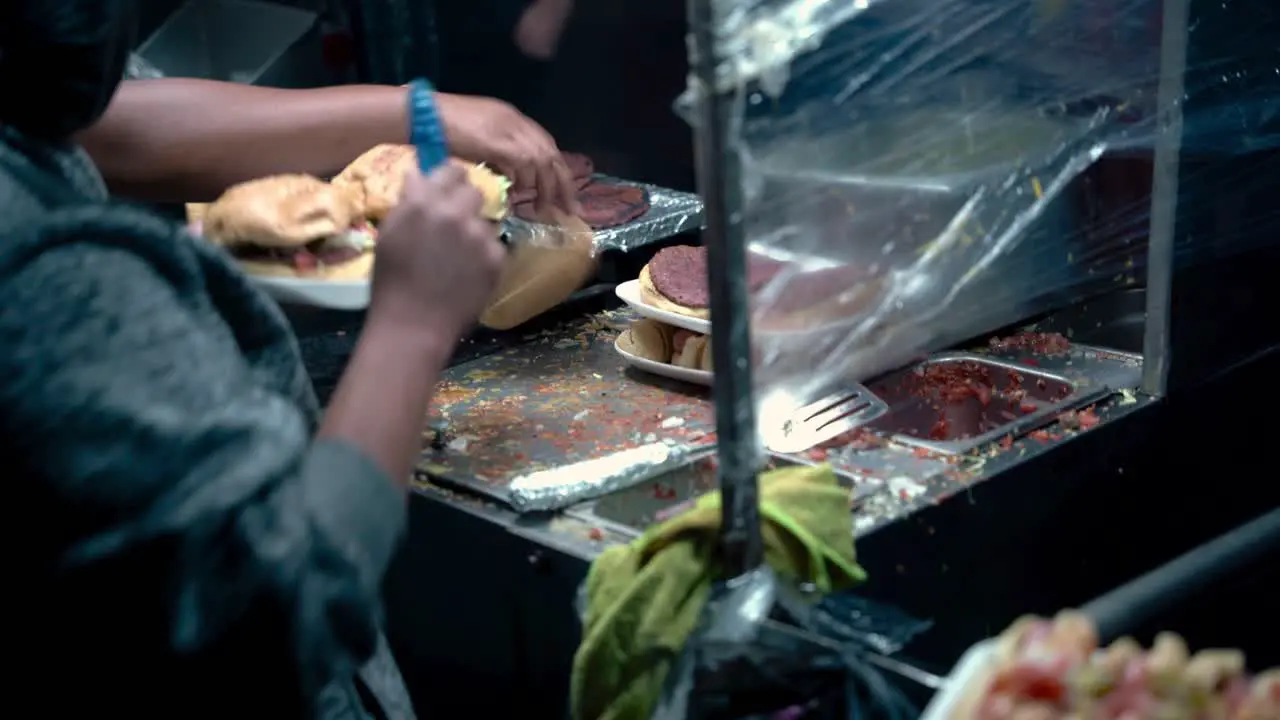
(719, 181)
(1164, 198)
(1200, 571)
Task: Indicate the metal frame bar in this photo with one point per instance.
(1200, 571)
(1156, 347)
(719, 181)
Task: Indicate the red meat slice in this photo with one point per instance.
(580, 167)
(604, 205)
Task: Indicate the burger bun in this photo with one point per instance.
(284, 211)
(647, 339)
(376, 180)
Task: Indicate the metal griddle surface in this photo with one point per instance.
(564, 397)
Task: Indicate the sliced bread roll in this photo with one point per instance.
(691, 355)
(648, 339)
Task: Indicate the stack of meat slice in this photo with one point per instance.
(604, 204)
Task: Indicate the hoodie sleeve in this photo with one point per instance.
(135, 409)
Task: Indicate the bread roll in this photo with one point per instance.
(690, 356)
(647, 339)
(376, 180)
(285, 211)
(195, 212)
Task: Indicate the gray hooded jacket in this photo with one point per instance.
(178, 545)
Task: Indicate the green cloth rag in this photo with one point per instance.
(645, 599)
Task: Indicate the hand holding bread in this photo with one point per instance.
(292, 226)
(438, 259)
(302, 227)
(376, 180)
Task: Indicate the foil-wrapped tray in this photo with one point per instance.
(670, 213)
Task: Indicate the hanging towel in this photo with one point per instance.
(645, 599)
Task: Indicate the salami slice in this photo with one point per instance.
(604, 205)
(580, 168)
(607, 205)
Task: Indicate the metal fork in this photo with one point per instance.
(825, 419)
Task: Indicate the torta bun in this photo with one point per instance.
(376, 180)
(291, 226)
(647, 339)
(283, 211)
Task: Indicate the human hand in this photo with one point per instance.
(538, 31)
(495, 133)
(437, 260)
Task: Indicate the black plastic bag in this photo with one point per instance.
(768, 649)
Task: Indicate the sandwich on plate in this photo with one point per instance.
(292, 226)
(675, 280)
(659, 342)
(376, 180)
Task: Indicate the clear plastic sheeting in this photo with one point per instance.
(917, 173)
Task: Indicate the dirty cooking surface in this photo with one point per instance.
(564, 397)
(959, 398)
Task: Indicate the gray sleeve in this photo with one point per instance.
(133, 403)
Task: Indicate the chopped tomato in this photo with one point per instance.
(940, 429)
(1032, 682)
(983, 393)
(304, 261)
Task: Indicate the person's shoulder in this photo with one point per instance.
(96, 240)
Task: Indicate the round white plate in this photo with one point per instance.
(333, 295)
(689, 375)
(947, 699)
(629, 293)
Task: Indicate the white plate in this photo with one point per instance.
(330, 294)
(965, 673)
(333, 295)
(629, 292)
(689, 375)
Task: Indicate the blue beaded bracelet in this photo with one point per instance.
(425, 131)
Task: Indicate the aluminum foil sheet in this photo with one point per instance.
(562, 487)
(671, 212)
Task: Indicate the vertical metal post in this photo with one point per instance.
(719, 181)
(1164, 197)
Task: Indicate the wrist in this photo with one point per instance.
(426, 339)
(447, 110)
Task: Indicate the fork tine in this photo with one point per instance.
(843, 409)
(829, 417)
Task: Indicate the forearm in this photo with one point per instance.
(538, 31)
(184, 140)
(381, 402)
